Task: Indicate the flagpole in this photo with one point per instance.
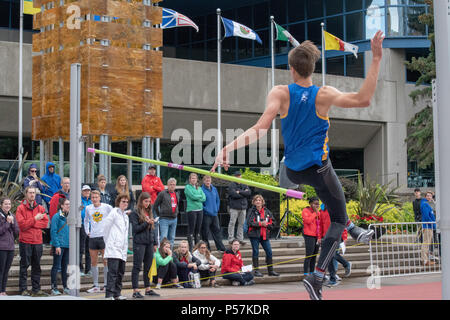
(20, 88)
(274, 142)
(219, 120)
(323, 55)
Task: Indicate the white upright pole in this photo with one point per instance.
(274, 144)
(436, 149)
(323, 54)
(20, 88)
(61, 156)
(442, 42)
(130, 163)
(74, 218)
(219, 120)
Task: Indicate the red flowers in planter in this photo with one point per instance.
(367, 219)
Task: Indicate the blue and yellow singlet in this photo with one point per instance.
(304, 131)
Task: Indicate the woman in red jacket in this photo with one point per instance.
(311, 234)
(232, 264)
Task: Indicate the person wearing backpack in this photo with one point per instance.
(260, 223)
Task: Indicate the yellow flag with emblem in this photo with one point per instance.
(28, 7)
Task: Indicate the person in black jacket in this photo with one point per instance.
(417, 212)
(260, 222)
(237, 201)
(144, 243)
(166, 207)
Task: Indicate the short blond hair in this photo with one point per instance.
(258, 196)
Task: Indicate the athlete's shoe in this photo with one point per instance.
(361, 235)
(314, 286)
(348, 270)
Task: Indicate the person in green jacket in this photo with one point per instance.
(194, 209)
(166, 268)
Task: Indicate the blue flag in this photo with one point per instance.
(232, 28)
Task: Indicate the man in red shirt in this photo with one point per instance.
(232, 264)
(152, 184)
(31, 218)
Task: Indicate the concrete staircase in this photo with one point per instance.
(288, 258)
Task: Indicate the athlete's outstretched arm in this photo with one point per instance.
(275, 99)
(331, 96)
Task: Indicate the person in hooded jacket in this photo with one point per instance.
(60, 242)
(33, 180)
(260, 221)
(31, 219)
(52, 180)
(9, 230)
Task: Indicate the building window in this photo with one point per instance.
(315, 32)
(355, 66)
(413, 76)
(198, 51)
(262, 49)
(420, 178)
(261, 15)
(228, 52)
(297, 31)
(314, 9)
(5, 7)
(334, 7)
(278, 10)
(414, 27)
(354, 19)
(352, 5)
(335, 66)
(375, 19)
(335, 26)
(296, 10)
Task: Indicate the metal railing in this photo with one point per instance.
(401, 249)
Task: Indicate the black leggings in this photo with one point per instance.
(6, 259)
(167, 272)
(311, 249)
(329, 189)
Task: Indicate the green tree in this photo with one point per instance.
(420, 127)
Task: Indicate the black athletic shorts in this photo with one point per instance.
(96, 243)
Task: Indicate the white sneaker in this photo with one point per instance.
(121, 298)
(94, 289)
(235, 283)
(338, 278)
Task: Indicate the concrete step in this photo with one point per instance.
(288, 259)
